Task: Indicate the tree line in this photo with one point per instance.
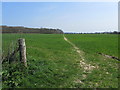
(11, 29)
(114, 32)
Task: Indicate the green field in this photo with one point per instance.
(54, 63)
(92, 43)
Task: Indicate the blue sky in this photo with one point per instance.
(68, 16)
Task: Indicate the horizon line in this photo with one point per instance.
(57, 28)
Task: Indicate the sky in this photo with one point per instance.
(68, 16)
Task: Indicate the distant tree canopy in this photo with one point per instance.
(9, 29)
(114, 32)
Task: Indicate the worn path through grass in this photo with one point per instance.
(105, 73)
(86, 67)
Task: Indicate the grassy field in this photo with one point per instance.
(93, 43)
(54, 63)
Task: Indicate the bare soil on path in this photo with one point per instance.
(86, 67)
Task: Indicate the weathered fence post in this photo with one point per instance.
(22, 51)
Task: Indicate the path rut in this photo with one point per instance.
(86, 67)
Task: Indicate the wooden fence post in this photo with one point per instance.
(22, 51)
